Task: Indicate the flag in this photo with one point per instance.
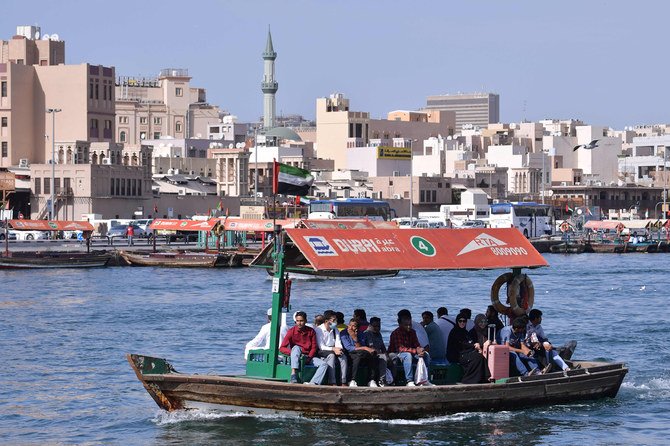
(588, 211)
(567, 209)
(290, 180)
(219, 207)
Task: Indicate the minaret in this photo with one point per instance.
(269, 85)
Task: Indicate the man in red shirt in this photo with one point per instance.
(405, 346)
(300, 340)
(130, 232)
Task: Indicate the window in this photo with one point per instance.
(3, 89)
(143, 135)
(90, 90)
(4, 149)
(108, 124)
(157, 135)
(143, 120)
(38, 186)
(4, 121)
(179, 91)
(94, 123)
(123, 119)
(66, 185)
(47, 186)
(97, 90)
(177, 127)
(111, 187)
(157, 120)
(122, 137)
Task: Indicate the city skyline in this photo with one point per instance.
(578, 61)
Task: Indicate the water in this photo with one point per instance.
(64, 334)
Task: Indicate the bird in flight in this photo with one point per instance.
(592, 145)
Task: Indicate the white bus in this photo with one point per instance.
(531, 219)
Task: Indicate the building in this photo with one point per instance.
(269, 86)
(428, 193)
(162, 106)
(338, 128)
(476, 109)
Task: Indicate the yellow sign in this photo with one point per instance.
(395, 153)
(666, 207)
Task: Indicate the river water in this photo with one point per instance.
(64, 334)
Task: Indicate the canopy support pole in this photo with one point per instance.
(278, 293)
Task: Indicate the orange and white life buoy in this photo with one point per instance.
(565, 226)
(505, 278)
(521, 294)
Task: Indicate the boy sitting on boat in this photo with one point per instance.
(404, 346)
(300, 341)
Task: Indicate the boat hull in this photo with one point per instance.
(176, 260)
(174, 391)
(59, 260)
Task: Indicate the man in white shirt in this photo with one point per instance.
(445, 322)
(329, 346)
(262, 339)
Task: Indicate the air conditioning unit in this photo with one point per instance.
(181, 191)
(396, 173)
(23, 162)
(397, 196)
(107, 161)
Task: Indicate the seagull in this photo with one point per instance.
(592, 145)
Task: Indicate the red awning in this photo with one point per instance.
(603, 224)
(161, 224)
(402, 249)
(45, 225)
(244, 224)
(347, 224)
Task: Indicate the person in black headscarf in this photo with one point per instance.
(464, 348)
(493, 318)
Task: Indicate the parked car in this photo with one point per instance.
(473, 224)
(143, 223)
(30, 235)
(119, 231)
(11, 235)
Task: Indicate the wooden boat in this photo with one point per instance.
(172, 391)
(264, 388)
(171, 259)
(568, 248)
(44, 260)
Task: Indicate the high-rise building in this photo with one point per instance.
(476, 109)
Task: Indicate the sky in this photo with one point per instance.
(602, 61)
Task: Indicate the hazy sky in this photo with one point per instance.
(600, 61)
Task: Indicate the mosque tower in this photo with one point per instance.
(269, 85)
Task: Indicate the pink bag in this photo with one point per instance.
(498, 357)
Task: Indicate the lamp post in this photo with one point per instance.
(53, 112)
(411, 180)
(255, 164)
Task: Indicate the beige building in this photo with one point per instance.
(167, 105)
(232, 170)
(428, 192)
(476, 109)
(338, 128)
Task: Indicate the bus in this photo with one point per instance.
(350, 208)
(531, 219)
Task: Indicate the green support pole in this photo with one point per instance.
(277, 300)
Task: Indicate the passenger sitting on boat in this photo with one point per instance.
(405, 347)
(538, 341)
(469, 325)
(373, 337)
(446, 323)
(514, 336)
(355, 344)
(299, 341)
(633, 238)
(340, 321)
(465, 349)
(318, 320)
(262, 339)
(436, 340)
(330, 347)
(362, 318)
(421, 334)
(493, 318)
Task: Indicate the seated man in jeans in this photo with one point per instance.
(537, 340)
(300, 340)
(405, 346)
(514, 336)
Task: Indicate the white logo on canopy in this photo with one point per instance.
(480, 242)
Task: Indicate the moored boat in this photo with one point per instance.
(54, 259)
(264, 386)
(171, 259)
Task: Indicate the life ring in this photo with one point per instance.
(565, 226)
(505, 278)
(218, 230)
(619, 228)
(521, 286)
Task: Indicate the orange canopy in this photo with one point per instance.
(183, 225)
(347, 224)
(247, 224)
(48, 225)
(396, 249)
(603, 224)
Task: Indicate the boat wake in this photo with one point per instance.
(654, 389)
(163, 417)
(462, 416)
